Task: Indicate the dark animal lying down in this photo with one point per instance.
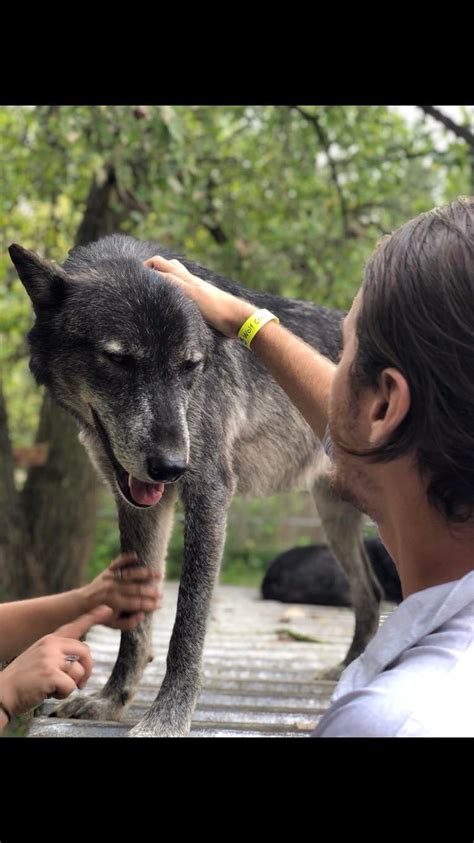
(311, 575)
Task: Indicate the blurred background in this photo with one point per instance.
(290, 199)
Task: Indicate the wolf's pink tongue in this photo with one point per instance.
(145, 493)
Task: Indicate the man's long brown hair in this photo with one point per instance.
(417, 315)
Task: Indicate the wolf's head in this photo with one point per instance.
(123, 350)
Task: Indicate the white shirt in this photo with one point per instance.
(416, 677)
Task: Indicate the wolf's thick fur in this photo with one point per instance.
(130, 356)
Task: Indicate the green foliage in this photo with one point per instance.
(291, 200)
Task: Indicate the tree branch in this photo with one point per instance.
(214, 228)
(460, 131)
(324, 141)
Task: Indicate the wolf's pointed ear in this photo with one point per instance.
(45, 283)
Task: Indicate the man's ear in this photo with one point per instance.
(389, 406)
(45, 282)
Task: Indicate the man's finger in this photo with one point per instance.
(172, 269)
(180, 268)
(157, 262)
(185, 283)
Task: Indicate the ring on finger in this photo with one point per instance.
(71, 658)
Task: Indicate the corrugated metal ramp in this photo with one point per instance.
(259, 672)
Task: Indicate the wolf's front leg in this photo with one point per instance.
(146, 531)
(206, 515)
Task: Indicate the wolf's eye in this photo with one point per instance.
(119, 359)
(189, 365)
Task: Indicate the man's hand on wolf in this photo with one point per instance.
(302, 372)
(222, 310)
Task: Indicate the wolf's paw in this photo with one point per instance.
(93, 707)
(154, 727)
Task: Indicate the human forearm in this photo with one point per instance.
(124, 586)
(25, 621)
(304, 374)
(301, 371)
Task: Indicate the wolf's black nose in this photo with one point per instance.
(165, 469)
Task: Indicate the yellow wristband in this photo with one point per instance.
(253, 324)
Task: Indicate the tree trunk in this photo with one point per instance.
(20, 575)
(60, 501)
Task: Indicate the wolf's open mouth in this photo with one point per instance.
(135, 492)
